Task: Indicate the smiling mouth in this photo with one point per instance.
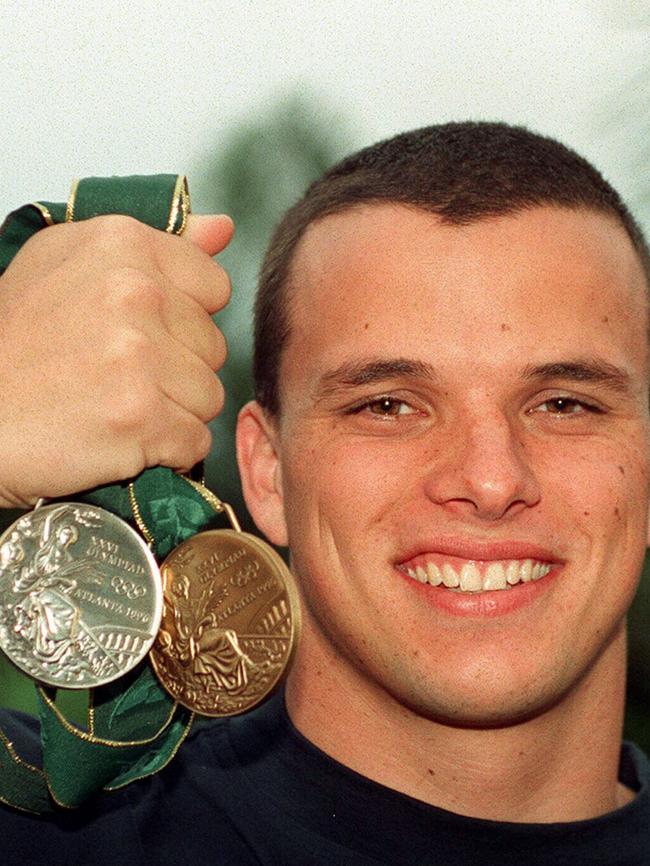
(477, 576)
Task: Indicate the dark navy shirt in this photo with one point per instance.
(252, 790)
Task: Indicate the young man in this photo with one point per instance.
(451, 434)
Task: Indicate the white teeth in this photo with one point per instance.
(434, 574)
(502, 574)
(526, 571)
(495, 576)
(470, 578)
(512, 572)
(449, 576)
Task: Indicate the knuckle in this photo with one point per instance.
(132, 461)
(132, 289)
(112, 238)
(187, 444)
(131, 408)
(127, 354)
(112, 229)
(131, 395)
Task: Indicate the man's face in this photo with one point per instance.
(466, 404)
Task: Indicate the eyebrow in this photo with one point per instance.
(355, 373)
(593, 370)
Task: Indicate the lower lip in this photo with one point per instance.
(489, 603)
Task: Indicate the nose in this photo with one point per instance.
(483, 470)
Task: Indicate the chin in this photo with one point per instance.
(479, 706)
(470, 714)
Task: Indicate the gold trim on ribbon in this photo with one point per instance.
(44, 212)
(15, 757)
(188, 728)
(137, 516)
(57, 800)
(19, 808)
(180, 201)
(99, 741)
(9, 746)
(69, 208)
(219, 505)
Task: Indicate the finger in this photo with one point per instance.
(101, 244)
(211, 233)
(188, 323)
(186, 442)
(188, 382)
(192, 271)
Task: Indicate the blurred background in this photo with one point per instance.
(253, 99)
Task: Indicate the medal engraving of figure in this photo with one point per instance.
(230, 622)
(80, 595)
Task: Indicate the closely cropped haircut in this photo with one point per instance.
(462, 172)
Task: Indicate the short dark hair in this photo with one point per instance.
(462, 172)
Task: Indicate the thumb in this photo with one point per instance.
(212, 233)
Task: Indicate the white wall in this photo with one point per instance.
(112, 88)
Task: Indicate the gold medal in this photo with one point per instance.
(230, 622)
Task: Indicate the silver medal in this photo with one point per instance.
(80, 595)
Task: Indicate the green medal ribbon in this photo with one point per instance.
(134, 728)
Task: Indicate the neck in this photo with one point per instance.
(561, 765)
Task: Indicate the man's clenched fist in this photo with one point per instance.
(109, 353)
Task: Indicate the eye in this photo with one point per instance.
(383, 407)
(389, 406)
(567, 406)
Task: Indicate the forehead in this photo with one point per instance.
(395, 278)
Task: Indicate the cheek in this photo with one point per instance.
(336, 493)
(346, 472)
(603, 493)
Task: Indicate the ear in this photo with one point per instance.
(260, 471)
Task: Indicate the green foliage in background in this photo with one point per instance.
(264, 167)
